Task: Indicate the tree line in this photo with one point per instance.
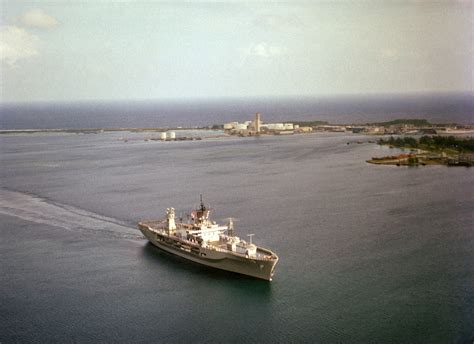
(431, 142)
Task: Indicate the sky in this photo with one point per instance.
(132, 50)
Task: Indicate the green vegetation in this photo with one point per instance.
(431, 143)
(413, 160)
(405, 142)
(414, 122)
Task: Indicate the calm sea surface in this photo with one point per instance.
(367, 253)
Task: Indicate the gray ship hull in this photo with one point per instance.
(212, 257)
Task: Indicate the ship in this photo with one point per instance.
(203, 241)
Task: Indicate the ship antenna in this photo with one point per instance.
(203, 208)
(250, 237)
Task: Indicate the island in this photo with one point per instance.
(428, 150)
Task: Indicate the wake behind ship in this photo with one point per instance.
(206, 242)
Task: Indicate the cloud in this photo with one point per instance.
(260, 52)
(16, 44)
(396, 54)
(278, 22)
(389, 54)
(37, 18)
(263, 50)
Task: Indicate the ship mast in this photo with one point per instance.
(250, 237)
(202, 213)
(203, 207)
(230, 229)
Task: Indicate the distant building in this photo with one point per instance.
(242, 126)
(231, 125)
(357, 130)
(331, 128)
(257, 123)
(299, 129)
(375, 130)
(275, 126)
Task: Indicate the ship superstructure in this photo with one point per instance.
(206, 242)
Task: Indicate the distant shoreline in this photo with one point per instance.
(404, 127)
(94, 130)
(367, 129)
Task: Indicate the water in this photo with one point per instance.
(458, 108)
(367, 253)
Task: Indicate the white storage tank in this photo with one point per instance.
(276, 126)
(241, 126)
(172, 135)
(163, 136)
(231, 125)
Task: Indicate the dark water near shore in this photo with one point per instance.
(368, 253)
(447, 108)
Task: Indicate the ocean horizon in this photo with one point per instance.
(436, 108)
